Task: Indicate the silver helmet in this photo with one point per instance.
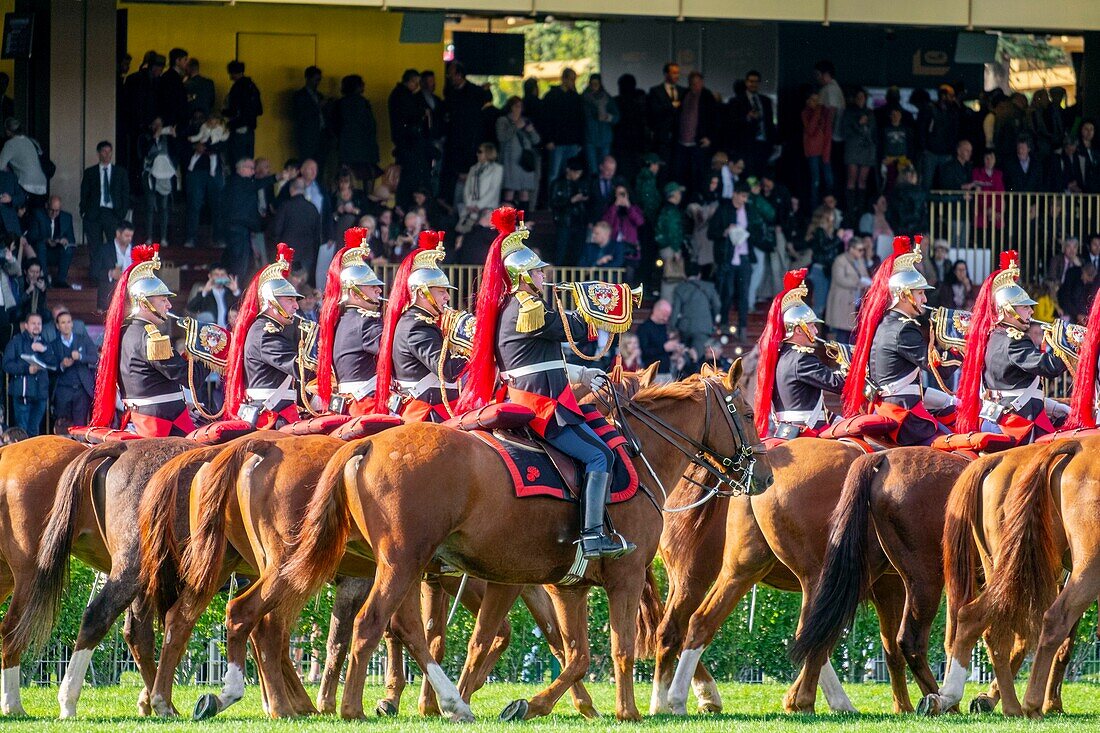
(355, 269)
(143, 283)
(905, 277)
(426, 273)
(1007, 292)
(796, 314)
(519, 259)
(273, 283)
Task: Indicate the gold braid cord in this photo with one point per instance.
(303, 351)
(572, 342)
(194, 393)
(439, 373)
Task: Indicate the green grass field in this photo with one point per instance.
(748, 707)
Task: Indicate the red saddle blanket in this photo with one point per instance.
(539, 470)
(365, 426)
(320, 425)
(95, 436)
(980, 442)
(860, 426)
(220, 431)
(1060, 434)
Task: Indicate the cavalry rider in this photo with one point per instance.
(1002, 363)
(349, 346)
(521, 335)
(138, 358)
(891, 351)
(791, 381)
(412, 358)
(263, 378)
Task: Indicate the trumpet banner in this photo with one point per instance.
(605, 306)
(207, 342)
(459, 327)
(1065, 339)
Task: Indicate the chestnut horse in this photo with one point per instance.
(403, 493)
(1008, 519)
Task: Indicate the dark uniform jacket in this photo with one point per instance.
(270, 356)
(417, 350)
(800, 378)
(547, 392)
(900, 348)
(355, 347)
(1013, 362)
(141, 377)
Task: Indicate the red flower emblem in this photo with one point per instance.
(533, 474)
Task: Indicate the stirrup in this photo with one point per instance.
(610, 548)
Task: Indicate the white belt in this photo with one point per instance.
(420, 387)
(907, 385)
(1020, 396)
(272, 395)
(358, 389)
(523, 371)
(808, 418)
(160, 399)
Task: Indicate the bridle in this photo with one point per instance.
(735, 472)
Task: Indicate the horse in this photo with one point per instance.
(1008, 519)
(402, 493)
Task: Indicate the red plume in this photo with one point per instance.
(481, 370)
(1082, 413)
(106, 378)
(876, 301)
(983, 318)
(330, 314)
(354, 236)
(247, 310)
(398, 302)
(770, 341)
(1008, 257)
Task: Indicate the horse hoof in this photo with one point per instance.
(515, 711)
(929, 706)
(206, 707)
(385, 709)
(981, 705)
(710, 708)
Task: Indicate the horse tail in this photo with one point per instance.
(201, 563)
(845, 576)
(51, 574)
(960, 552)
(650, 612)
(327, 524)
(1025, 575)
(160, 553)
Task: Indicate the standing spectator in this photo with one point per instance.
(518, 140)
(956, 174)
(204, 183)
(114, 259)
(908, 206)
(243, 107)
(698, 129)
(831, 96)
(473, 247)
(139, 108)
(200, 91)
(695, 310)
(104, 201)
(1089, 157)
(52, 236)
(601, 114)
(849, 280)
(307, 111)
(645, 187)
(1077, 292)
(482, 187)
(29, 383)
(663, 110)
(602, 251)
(265, 205)
(860, 149)
(219, 294)
(761, 239)
(988, 180)
(242, 218)
(825, 246)
(937, 267)
(626, 219)
(172, 101)
(601, 189)
(1045, 127)
(729, 230)
(77, 358)
(355, 129)
(34, 290)
(1093, 254)
(532, 104)
(896, 143)
(13, 199)
(669, 236)
(1024, 173)
(817, 126)
(937, 133)
(655, 342)
(462, 105)
(569, 206)
(957, 291)
(409, 130)
(9, 298)
(21, 155)
(628, 140)
(700, 213)
(158, 182)
(752, 122)
(1066, 172)
(298, 223)
(564, 119)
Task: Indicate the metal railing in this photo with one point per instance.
(979, 225)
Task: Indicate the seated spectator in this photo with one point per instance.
(908, 207)
(405, 239)
(957, 173)
(26, 361)
(626, 219)
(1060, 264)
(568, 204)
(1076, 294)
(435, 216)
(346, 208)
(34, 292)
(695, 310)
(601, 251)
(630, 353)
(473, 246)
(988, 180)
(669, 236)
(77, 357)
(655, 341)
(49, 327)
(219, 293)
(849, 279)
(957, 290)
(54, 241)
(936, 267)
(875, 223)
(482, 188)
(20, 155)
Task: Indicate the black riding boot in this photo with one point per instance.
(595, 543)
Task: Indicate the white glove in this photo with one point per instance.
(934, 399)
(593, 379)
(1056, 409)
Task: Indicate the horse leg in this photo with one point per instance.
(542, 610)
(1006, 655)
(888, 597)
(395, 674)
(139, 636)
(968, 628)
(1053, 701)
(679, 606)
(10, 702)
(571, 609)
(817, 669)
(1067, 609)
(350, 595)
(494, 609)
(296, 692)
(624, 594)
(433, 604)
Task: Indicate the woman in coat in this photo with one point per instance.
(517, 136)
(857, 127)
(601, 114)
(482, 187)
(849, 279)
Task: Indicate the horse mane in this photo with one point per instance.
(685, 389)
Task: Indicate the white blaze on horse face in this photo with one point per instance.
(450, 702)
(834, 691)
(681, 681)
(232, 686)
(10, 703)
(952, 690)
(68, 694)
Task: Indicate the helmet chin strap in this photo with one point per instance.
(143, 301)
(278, 307)
(438, 311)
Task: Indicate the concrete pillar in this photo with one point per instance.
(81, 90)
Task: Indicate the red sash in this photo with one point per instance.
(420, 411)
(158, 427)
(899, 413)
(543, 406)
(268, 419)
(364, 406)
(1021, 429)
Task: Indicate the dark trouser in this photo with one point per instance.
(241, 145)
(757, 153)
(72, 404)
(582, 443)
(203, 188)
(568, 240)
(307, 255)
(157, 206)
(238, 250)
(688, 166)
(733, 283)
(29, 414)
(56, 255)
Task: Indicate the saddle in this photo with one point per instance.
(977, 442)
(319, 425)
(1060, 434)
(365, 426)
(95, 436)
(860, 426)
(220, 431)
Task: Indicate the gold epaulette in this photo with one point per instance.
(1014, 333)
(426, 318)
(369, 314)
(803, 349)
(158, 347)
(272, 327)
(532, 313)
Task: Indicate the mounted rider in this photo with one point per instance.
(350, 329)
(265, 372)
(521, 335)
(791, 381)
(412, 361)
(891, 352)
(138, 359)
(1002, 365)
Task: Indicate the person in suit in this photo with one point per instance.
(1024, 173)
(663, 105)
(204, 181)
(307, 110)
(298, 223)
(697, 133)
(1077, 292)
(104, 202)
(200, 90)
(111, 261)
(171, 104)
(243, 107)
(77, 357)
(356, 130)
(752, 122)
(12, 199)
(242, 218)
(601, 188)
(219, 294)
(52, 236)
(29, 384)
